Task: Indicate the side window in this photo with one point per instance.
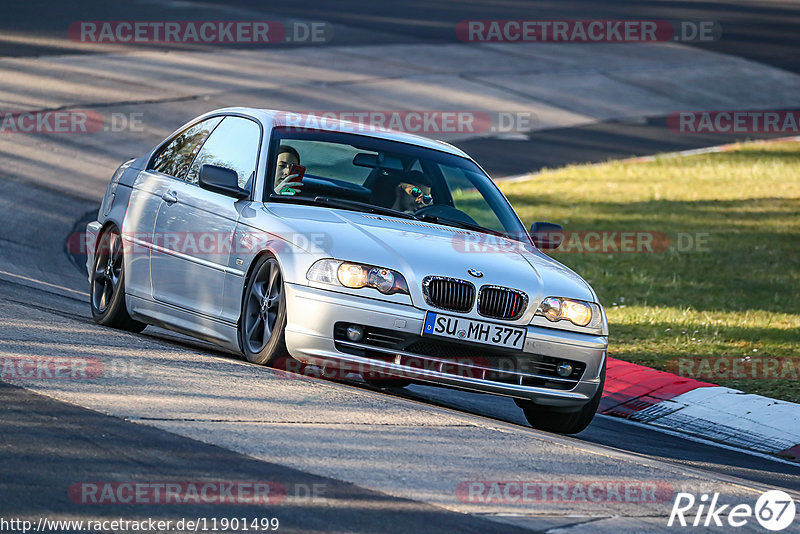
(174, 158)
(233, 145)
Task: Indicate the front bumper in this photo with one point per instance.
(313, 312)
(92, 231)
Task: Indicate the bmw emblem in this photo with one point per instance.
(476, 273)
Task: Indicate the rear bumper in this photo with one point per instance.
(312, 314)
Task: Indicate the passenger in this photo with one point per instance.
(413, 193)
(285, 183)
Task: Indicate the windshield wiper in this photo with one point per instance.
(459, 224)
(362, 206)
(341, 203)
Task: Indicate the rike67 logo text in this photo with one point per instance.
(774, 510)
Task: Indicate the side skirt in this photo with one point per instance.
(212, 329)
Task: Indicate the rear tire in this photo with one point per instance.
(262, 327)
(552, 420)
(107, 284)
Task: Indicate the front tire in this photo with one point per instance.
(262, 328)
(552, 420)
(107, 285)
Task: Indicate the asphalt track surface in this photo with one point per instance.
(46, 444)
(61, 442)
(763, 31)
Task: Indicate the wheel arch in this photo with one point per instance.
(107, 225)
(290, 262)
(267, 251)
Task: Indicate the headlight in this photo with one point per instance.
(357, 276)
(352, 275)
(578, 312)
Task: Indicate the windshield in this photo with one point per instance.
(351, 171)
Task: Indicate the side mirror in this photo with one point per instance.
(547, 235)
(221, 180)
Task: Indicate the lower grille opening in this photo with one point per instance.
(422, 354)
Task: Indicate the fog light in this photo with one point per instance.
(564, 369)
(355, 333)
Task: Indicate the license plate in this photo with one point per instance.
(509, 337)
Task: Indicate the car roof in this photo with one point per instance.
(325, 123)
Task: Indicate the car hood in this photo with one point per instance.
(419, 249)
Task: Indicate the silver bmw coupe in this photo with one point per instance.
(296, 239)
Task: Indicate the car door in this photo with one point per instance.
(168, 165)
(195, 226)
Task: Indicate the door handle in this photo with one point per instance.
(169, 197)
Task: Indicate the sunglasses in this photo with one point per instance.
(416, 192)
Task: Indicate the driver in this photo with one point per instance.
(413, 193)
(285, 183)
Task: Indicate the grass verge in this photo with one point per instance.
(720, 293)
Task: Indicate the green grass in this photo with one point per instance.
(738, 296)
